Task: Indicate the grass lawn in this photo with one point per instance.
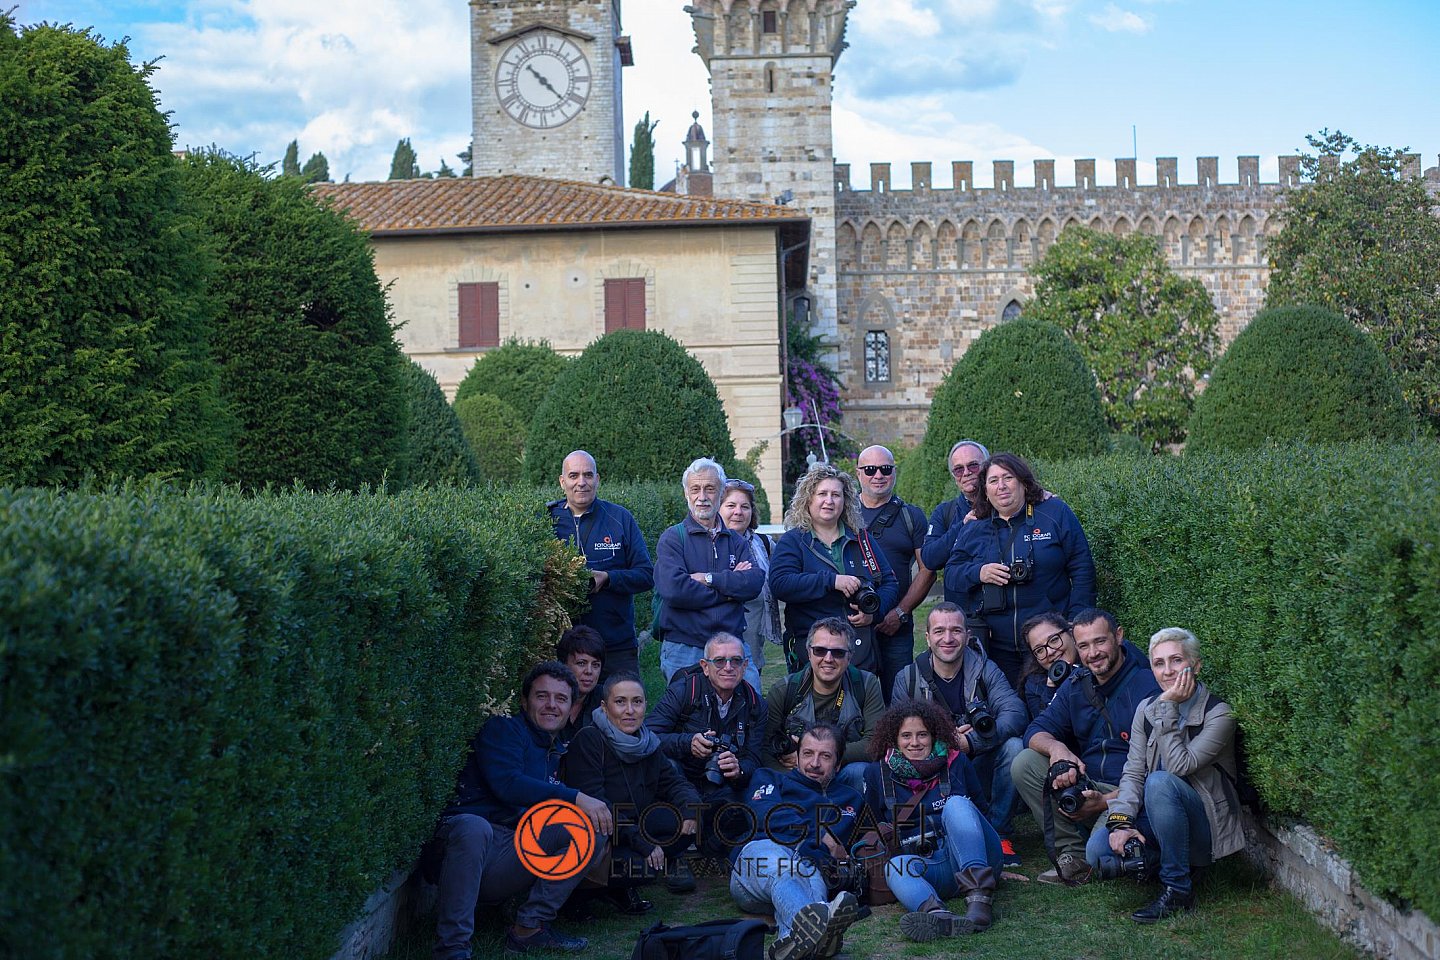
(1239, 914)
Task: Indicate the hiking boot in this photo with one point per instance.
(844, 911)
(1009, 859)
(628, 900)
(545, 938)
(977, 884)
(807, 930)
(1170, 902)
(931, 922)
(681, 878)
(1073, 871)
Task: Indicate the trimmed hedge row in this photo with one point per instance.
(226, 719)
(1311, 575)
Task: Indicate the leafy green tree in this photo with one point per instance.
(1361, 239)
(636, 400)
(520, 372)
(1023, 387)
(496, 434)
(1299, 374)
(104, 327)
(316, 169)
(464, 157)
(642, 154)
(404, 165)
(444, 172)
(309, 359)
(436, 448)
(290, 166)
(1147, 334)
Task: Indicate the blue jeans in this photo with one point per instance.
(993, 769)
(969, 841)
(1173, 820)
(768, 876)
(677, 656)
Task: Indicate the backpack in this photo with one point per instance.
(657, 605)
(884, 520)
(732, 939)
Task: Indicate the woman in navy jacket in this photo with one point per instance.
(925, 788)
(1024, 555)
(822, 561)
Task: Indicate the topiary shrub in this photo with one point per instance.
(496, 434)
(436, 449)
(309, 361)
(104, 329)
(1022, 387)
(1299, 373)
(520, 372)
(636, 400)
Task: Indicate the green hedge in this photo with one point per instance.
(1312, 577)
(225, 720)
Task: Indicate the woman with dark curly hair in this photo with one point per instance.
(928, 792)
(1025, 554)
(826, 562)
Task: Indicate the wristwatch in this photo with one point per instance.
(904, 616)
(709, 580)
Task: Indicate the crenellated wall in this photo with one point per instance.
(931, 268)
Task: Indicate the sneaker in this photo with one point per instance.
(546, 938)
(1171, 902)
(681, 878)
(1073, 871)
(1009, 859)
(807, 931)
(844, 911)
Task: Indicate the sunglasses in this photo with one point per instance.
(830, 653)
(733, 663)
(743, 485)
(884, 469)
(960, 469)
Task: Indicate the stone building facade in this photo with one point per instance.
(923, 272)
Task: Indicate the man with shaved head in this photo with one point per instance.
(898, 529)
(614, 552)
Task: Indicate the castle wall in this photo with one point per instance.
(931, 269)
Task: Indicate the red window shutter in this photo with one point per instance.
(635, 304)
(479, 315)
(614, 305)
(625, 304)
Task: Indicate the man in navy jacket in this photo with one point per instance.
(703, 573)
(511, 765)
(803, 825)
(615, 554)
(1087, 724)
(965, 462)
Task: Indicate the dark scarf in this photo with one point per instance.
(632, 748)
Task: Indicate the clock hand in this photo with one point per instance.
(543, 82)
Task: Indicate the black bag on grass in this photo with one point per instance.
(732, 939)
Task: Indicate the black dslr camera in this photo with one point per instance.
(722, 744)
(1060, 671)
(1130, 863)
(921, 844)
(1022, 571)
(866, 600)
(978, 715)
(1069, 799)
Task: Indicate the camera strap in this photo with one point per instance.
(1049, 824)
(867, 554)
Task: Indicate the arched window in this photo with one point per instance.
(1011, 311)
(877, 356)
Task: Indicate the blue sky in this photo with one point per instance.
(936, 80)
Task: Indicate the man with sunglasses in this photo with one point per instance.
(711, 722)
(965, 462)
(827, 690)
(898, 529)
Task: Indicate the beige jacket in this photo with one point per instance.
(1200, 750)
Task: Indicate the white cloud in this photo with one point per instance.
(899, 16)
(1115, 20)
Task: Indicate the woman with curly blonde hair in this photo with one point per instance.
(826, 565)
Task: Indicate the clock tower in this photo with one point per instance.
(545, 88)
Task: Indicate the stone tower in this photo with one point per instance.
(771, 63)
(545, 88)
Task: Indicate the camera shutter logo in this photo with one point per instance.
(566, 862)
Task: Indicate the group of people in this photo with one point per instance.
(816, 793)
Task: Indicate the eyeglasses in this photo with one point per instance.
(884, 469)
(830, 653)
(1055, 642)
(743, 485)
(960, 469)
(730, 663)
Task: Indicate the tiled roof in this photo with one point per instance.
(498, 204)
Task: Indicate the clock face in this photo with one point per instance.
(543, 79)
